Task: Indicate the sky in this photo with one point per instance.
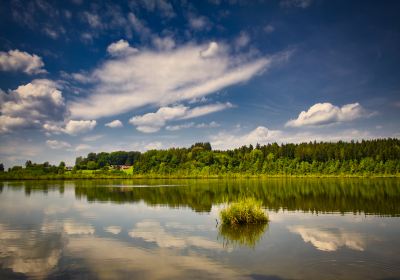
(83, 76)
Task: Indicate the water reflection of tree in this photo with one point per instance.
(370, 196)
(241, 235)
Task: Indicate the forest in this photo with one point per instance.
(358, 158)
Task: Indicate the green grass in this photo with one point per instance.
(245, 211)
(128, 171)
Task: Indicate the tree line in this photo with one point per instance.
(379, 156)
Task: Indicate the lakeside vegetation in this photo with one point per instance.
(380, 157)
(245, 211)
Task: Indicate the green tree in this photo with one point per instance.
(92, 165)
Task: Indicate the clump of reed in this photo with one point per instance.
(245, 211)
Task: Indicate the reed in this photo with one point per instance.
(245, 211)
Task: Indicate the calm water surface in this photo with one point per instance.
(163, 229)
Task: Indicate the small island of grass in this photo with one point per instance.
(245, 211)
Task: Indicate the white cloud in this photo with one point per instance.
(212, 124)
(165, 43)
(24, 253)
(210, 51)
(179, 126)
(92, 138)
(269, 28)
(163, 7)
(55, 144)
(75, 127)
(114, 124)
(87, 37)
(7, 123)
(163, 77)
(120, 48)
(153, 146)
(72, 228)
(139, 27)
(72, 127)
(81, 77)
(82, 147)
(242, 41)
(326, 113)
(125, 260)
(199, 22)
(206, 109)
(93, 20)
(15, 60)
(31, 105)
(152, 122)
(15, 151)
(296, 3)
(152, 231)
(325, 240)
(260, 135)
(113, 229)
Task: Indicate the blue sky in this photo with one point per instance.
(85, 76)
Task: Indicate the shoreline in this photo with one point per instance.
(212, 177)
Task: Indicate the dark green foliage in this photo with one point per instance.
(1, 167)
(381, 156)
(106, 159)
(34, 170)
(370, 157)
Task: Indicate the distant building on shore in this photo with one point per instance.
(121, 167)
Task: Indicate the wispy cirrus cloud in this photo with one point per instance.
(177, 127)
(199, 22)
(164, 77)
(153, 122)
(161, 7)
(296, 3)
(57, 144)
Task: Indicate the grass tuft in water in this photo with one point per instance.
(245, 211)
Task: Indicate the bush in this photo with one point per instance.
(245, 211)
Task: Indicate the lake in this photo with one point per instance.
(163, 229)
